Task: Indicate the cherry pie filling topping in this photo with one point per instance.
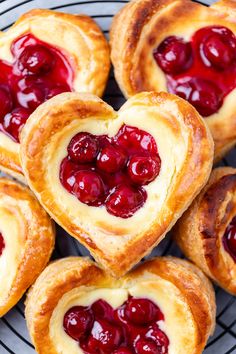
(2, 244)
(229, 239)
(100, 170)
(38, 72)
(132, 328)
(203, 70)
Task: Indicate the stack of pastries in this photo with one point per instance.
(119, 181)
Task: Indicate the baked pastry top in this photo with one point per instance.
(185, 48)
(26, 241)
(117, 181)
(164, 305)
(209, 225)
(43, 54)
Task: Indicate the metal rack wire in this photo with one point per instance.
(13, 333)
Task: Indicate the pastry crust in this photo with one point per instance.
(185, 148)
(82, 42)
(66, 277)
(141, 25)
(203, 225)
(29, 237)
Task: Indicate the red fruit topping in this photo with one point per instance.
(174, 55)
(83, 148)
(142, 311)
(202, 94)
(67, 174)
(100, 329)
(218, 49)
(144, 169)
(124, 201)
(203, 71)
(35, 59)
(111, 159)
(2, 244)
(13, 122)
(39, 72)
(144, 346)
(88, 187)
(78, 321)
(229, 239)
(5, 100)
(105, 336)
(134, 140)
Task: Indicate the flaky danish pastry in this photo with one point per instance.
(184, 48)
(26, 241)
(116, 181)
(162, 307)
(43, 54)
(207, 231)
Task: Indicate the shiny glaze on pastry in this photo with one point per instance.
(206, 232)
(164, 305)
(184, 48)
(26, 241)
(43, 54)
(161, 127)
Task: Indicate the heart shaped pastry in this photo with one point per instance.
(45, 53)
(161, 307)
(210, 225)
(184, 48)
(117, 181)
(26, 241)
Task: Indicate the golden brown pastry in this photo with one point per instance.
(207, 231)
(162, 306)
(26, 241)
(43, 54)
(116, 181)
(185, 48)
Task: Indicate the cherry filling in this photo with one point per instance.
(100, 170)
(203, 70)
(39, 72)
(132, 328)
(2, 244)
(229, 239)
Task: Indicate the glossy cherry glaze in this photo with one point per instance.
(2, 244)
(229, 239)
(132, 328)
(100, 170)
(203, 70)
(38, 72)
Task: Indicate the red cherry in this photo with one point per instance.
(135, 140)
(5, 101)
(102, 310)
(229, 239)
(67, 171)
(143, 170)
(144, 346)
(13, 122)
(124, 201)
(104, 336)
(35, 59)
(141, 311)
(123, 350)
(56, 91)
(83, 148)
(78, 321)
(2, 244)
(154, 333)
(204, 95)
(173, 55)
(88, 187)
(31, 97)
(111, 159)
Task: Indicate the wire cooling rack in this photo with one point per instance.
(14, 337)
